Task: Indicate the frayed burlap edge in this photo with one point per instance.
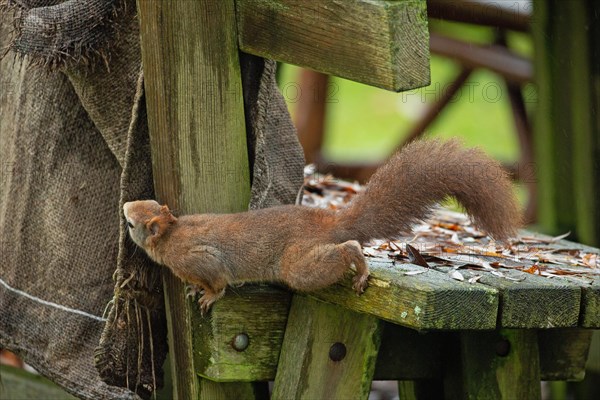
(100, 27)
(135, 332)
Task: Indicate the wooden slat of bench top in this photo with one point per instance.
(589, 313)
(590, 305)
(533, 301)
(590, 293)
(376, 42)
(430, 300)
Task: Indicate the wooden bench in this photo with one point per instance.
(483, 340)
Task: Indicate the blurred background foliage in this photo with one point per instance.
(365, 124)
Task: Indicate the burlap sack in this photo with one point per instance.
(73, 147)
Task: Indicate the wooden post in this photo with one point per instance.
(567, 124)
(494, 365)
(198, 139)
(328, 352)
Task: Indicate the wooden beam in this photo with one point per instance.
(381, 43)
(243, 345)
(499, 59)
(198, 140)
(328, 352)
(505, 15)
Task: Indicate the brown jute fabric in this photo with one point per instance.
(77, 300)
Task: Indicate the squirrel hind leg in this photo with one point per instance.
(355, 257)
(309, 267)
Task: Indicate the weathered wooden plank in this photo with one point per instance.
(494, 365)
(376, 42)
(328, 352)
(531, 301)
(589, 316)
(563, 353)
(19, 384)
(243, 345)
(431, 300)
(198, 139)
(536, 302)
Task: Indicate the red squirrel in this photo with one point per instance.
(309, 248)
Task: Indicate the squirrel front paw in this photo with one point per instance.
(192, 290)
(207, 300)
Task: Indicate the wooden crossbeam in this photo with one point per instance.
(381, 43)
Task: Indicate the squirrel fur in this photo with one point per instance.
(309, 248)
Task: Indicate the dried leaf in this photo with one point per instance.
(533, 269)
(450, 226)
(454, 274)
(410, 273)
(515, 279)
(475, 278)
(415, 257)
(591, 260)
(560, 237)
(371, 252)
(548, 274)
(455, 239)
(487, 266)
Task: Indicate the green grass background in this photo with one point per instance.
(366, 123)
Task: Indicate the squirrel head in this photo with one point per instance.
(147, 221)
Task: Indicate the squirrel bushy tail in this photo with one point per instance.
(422, 174)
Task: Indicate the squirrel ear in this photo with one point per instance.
(164, 210)
(153, 226)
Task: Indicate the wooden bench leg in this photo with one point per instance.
(328, 352)
(494, 365)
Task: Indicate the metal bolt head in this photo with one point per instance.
(337, 351)
(240, 342)
(502, 347)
